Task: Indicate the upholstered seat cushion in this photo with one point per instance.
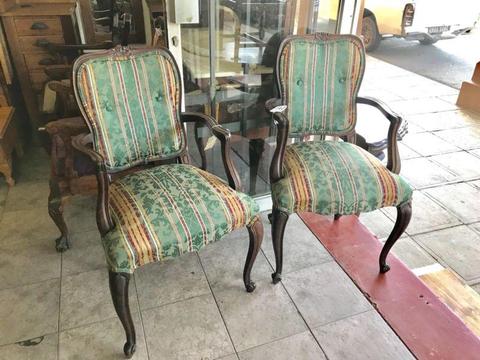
(333, 177)
(169, 210)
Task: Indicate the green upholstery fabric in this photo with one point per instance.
(132, 104)
(332, 177)
(169, 210)
(320, 80)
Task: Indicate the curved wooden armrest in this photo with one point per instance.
(282, 124)
(221, 134)
(104, 220)
(393, 156)
(80, 142)
(272, 103)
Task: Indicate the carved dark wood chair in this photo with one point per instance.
(318, 77)
(152, 204)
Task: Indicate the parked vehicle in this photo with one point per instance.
(424, 20)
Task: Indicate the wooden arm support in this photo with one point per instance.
(221, 134)
(393, 156)
(282, 124)
(104, 220)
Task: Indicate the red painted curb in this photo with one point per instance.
(424, 323)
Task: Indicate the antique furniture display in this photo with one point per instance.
(108, 19)
(8, 143)
(26, 27)
(152, 204)
(318, 77)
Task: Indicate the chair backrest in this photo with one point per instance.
(318, 77)
(131, 100)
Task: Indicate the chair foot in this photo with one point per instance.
(250, 286)
(279, 221)
(276, 278)
(336, 217)
(62, 244)
(129, 350)
(270, 218)
(119, 291)
(255, 231)
(384, 268)
(404, 214)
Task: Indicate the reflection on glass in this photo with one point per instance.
(229, 73)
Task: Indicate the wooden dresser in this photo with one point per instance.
(25, 27)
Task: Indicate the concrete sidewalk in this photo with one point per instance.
(441, 159)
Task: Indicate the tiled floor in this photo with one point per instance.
(57, 306)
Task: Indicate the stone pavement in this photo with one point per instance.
(195, 307)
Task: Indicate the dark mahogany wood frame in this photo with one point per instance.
(279, 218)
(119, 281)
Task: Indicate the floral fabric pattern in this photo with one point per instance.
(169, 210)
(334, 177)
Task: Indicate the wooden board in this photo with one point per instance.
(461, 298)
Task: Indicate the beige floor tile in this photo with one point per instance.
(299, 347)
(260, 317)
(190, 329)
(324, 293)
(461, 199)
(29, 311)
(441, 120)
(27, 196)
(465, 138)
(458, 247)
(224, 260)
(378, 223)
(422, 172)
(28, 263)
(427, 215)
(411, 254)
(86, 299)
(103, 340)
(476, 288)
(300, 247)
(173, 280)
(26, 226)
(427, 144)
(79, 214)
(406, 153)
(364, 336)
(421, 106)
(463, 164)
(85, 254)
(33, 166)
(41, 348)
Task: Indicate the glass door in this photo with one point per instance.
(228, 56)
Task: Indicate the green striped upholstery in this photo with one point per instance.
(132, 104)
(169, 210)
(319, 82)
(333, 177)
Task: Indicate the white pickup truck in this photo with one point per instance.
(424, 20)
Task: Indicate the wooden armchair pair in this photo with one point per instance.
(318, 78)
(152, 203)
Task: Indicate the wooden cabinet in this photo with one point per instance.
(26, 26)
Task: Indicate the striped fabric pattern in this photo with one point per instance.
(333, 177)
(320, 82)
(169, 210)
(132, 106)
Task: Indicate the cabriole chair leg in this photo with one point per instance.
(279, 221)
(119, 291)
(404, 214)
(255, 230)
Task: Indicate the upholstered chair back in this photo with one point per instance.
(319, 77)
(131, 101)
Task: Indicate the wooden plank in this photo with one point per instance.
(461, 298)
(426, 325)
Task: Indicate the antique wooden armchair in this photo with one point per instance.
(318, 77)
(152, 204)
